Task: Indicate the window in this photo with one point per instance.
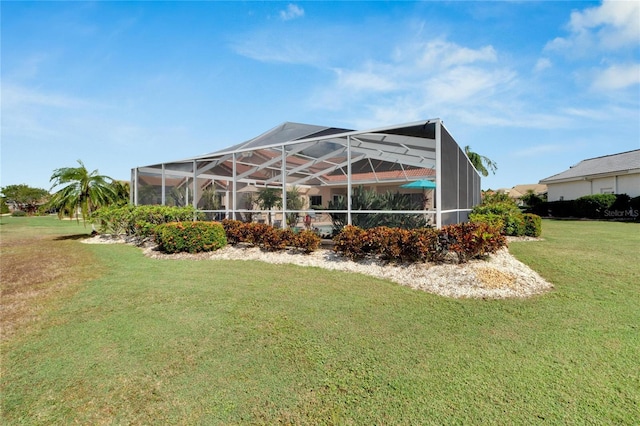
(315, 200)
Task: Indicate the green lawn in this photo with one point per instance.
(141, 341)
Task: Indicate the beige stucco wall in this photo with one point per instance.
(625, 184)
(603, 186)
(630, 185)
(568, 190)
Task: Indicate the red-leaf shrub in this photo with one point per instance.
(388, 243)
(234, 231)
(191, 237)
(350, 242)
(268, 237)
(473, 240)
(307, 241)
(426, 245)
(466, 240)
(275, 239)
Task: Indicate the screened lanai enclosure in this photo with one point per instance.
(306, 175)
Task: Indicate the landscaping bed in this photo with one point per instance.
(497, 276)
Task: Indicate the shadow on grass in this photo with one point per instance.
(72, 237)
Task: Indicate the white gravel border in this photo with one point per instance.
(500, 276)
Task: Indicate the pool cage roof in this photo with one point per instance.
(311, 156)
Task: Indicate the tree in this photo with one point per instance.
(532, 199)
(480, 162)
(269, 198)
(122, 191)
(249, 199)
(368, 199)
(210, 200)
(294, 202)
(81, 191)
(4, 209)
(24, 197)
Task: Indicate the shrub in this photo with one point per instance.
(18, 213)
(234, 231)
(634, 206)
(622, 202)
(268, 237)
(532, 225)
(495, 198)
(307, 241)
(4, 208)
(426, 245)
(473, 240)
(507, 211)
(593, 206)
(467, 241)
(275, 239)
(139, 221)
(379, 241)
(590, 206)
(350, 242)
(191, 237)
(488, 218)
(254, 233)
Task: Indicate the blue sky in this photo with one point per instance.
(535, 86)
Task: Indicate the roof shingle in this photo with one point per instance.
(613, 163)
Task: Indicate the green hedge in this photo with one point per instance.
(532, 225)
(139, 221)
(508, 217)
(598, 206)
(466, 241)
(506, 212)
(190, 237)
(594, 206)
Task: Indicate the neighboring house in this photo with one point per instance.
(609, 174)
(517, 192)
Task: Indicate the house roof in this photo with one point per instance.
(624, 162)
(520, 190)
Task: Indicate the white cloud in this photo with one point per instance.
(617, 77)
(543, 64)
(261, 47)
(420, 80)
(610, 26)
(439, 54)
(507, 115)
(370, 79)
(589, 113)
(14, 96)
(291, 12)
(467, 84)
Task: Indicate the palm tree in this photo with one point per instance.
(480, 162)
(269, 198)
(122, 191)
(294, 202)
(84, 191)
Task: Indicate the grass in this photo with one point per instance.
(135, 340)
